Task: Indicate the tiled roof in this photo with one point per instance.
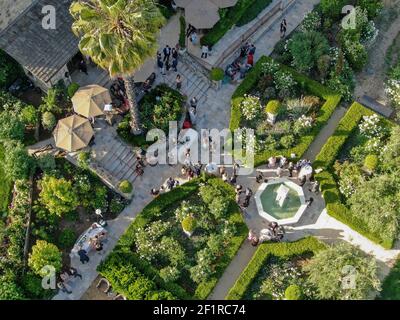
(42, 52)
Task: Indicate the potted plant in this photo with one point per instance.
(272, 110)
(217, 75)
(125, 187)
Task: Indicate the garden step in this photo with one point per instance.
(376, 106)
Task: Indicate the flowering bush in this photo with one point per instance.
(371, 127)
(393, 92)
(311, 22)
(269, 67)
(284, 81)
(251, 107)
(303, 124)
(369, 34)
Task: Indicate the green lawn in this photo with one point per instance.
(5, 185)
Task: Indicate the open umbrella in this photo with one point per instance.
(225, 3)
(202, 14)
(73, 133)
(89, 101)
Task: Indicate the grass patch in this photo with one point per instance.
(5, 185)
(391, 284)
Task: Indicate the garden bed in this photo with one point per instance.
(364, 167)
(268, 258)
(303, 107)
(156, 246)
(157, 108)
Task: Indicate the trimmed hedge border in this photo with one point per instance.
(154, 209)
(331, 98)
(325, 160)
(266, 250)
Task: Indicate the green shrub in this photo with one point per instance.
(48, 120)
(253, 11)
(125, 186)
(332, 8)
(293, 292)
(227, 21)
(189, 224)
(44, 254)
(391, 284)
(371, 162)
(273, 107)
(217, 74)
(66, 239)
(182, 32)
(72, 89)
(84, 159)
(30, 115)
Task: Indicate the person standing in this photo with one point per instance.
(83, 257)
(193, 103)
(250, 59)
(283, 28)
(193, 38)
(167, 65)
(291, 168)
(252, 49)
(167, 52)
(204, 51)
(160, 64)
(174, 53)
(178, 82)
(83, 67)
(63, 287)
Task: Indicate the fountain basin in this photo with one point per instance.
(270, 209)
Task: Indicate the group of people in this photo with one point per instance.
(167, 60)
(65, 277)
(247, 196)
(96, 242)
(274, 232)
(243, 63)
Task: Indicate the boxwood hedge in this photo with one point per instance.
(325, 160)
(155, 209)
(331, 98)
(265, 251)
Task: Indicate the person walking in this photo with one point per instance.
(283, 28)
(178, 82)
(160, 65)
(193, 37)
(167, 52)
(204, 51)
(252, 49)
(175, 64)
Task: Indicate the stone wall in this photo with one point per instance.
(10, 9)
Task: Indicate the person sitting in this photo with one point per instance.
(146, 86)
(272, 162)
(154, 192)
(73, 272)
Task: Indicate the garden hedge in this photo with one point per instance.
(265, 251)
(242, 13)
(330, 190)
(331, 98)
(155, 209)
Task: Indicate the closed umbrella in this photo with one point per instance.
(73, 133)
(89, 101)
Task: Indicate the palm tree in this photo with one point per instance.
(118, 35)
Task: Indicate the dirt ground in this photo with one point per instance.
(371, 80)
(94, 293)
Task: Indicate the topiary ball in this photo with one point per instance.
(293, 292)
(125, 186)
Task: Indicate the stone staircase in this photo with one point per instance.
(195, 81)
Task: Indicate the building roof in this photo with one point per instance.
(42, 52)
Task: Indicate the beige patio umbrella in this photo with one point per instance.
(202, 14)
(89, 101)
(182, 3)
(73, 133)
(225, 3)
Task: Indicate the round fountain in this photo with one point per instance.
(281, 201)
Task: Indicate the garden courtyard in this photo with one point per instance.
(317, 218)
